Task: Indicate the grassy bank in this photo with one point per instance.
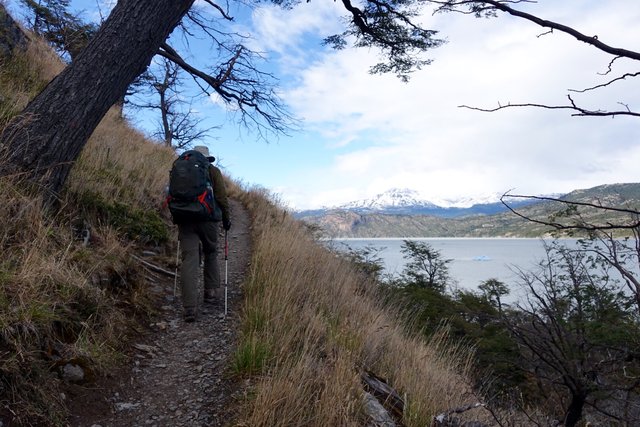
(313, 324)
(70, 293)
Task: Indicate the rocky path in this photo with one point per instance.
(178, 373)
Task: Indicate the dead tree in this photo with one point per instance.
(578, 338)
(159, 91)
(611, 233)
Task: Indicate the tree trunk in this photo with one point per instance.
(574, 411)
(56, 124)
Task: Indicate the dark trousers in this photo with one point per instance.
(190, 235)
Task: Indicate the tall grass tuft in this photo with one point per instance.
(319, 323)
(54, 306)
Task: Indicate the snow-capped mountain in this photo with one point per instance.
(409, 202)
(394, 198)
(467, 202)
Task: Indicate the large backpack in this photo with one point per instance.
(191, 195)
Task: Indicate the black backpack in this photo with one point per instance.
(190, 195)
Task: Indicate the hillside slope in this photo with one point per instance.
(341, 223)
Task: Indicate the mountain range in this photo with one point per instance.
(409, 202)
(402, 213)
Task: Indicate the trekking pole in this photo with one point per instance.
(226, 262)
(175, 278)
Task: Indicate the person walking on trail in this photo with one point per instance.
(198, 222)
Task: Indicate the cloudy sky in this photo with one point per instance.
(363, 134)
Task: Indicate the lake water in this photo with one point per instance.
(474, 260)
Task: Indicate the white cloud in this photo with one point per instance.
(287, 34)
(415, 136)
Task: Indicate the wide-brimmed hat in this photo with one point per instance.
(204, 150)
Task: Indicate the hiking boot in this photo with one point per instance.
(189, 315)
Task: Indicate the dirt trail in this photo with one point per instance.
(177, 375)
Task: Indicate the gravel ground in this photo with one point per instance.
(177, 373)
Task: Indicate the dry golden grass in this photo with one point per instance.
(25, 74)
(53, 305)
(119, 163)
(61, 299)
(312, 324)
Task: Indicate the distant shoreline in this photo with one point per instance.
(445, 238)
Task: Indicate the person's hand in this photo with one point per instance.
(226, 224)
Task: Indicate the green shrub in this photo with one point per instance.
(143, 225)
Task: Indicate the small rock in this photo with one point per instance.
(162, 325)
(126, 406)
(72, 373)
(376, 412)
(146, 348)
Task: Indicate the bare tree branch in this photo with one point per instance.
(610, 66)
(239, 83)
(482, 5)
(578, 226)
(224, 13)
(490, 7)
(622, 77)
(580, 111)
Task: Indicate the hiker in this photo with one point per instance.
(192, 232)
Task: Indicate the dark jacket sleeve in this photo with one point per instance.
(220, 192)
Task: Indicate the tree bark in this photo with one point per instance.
(574, 411)
(55, 125)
